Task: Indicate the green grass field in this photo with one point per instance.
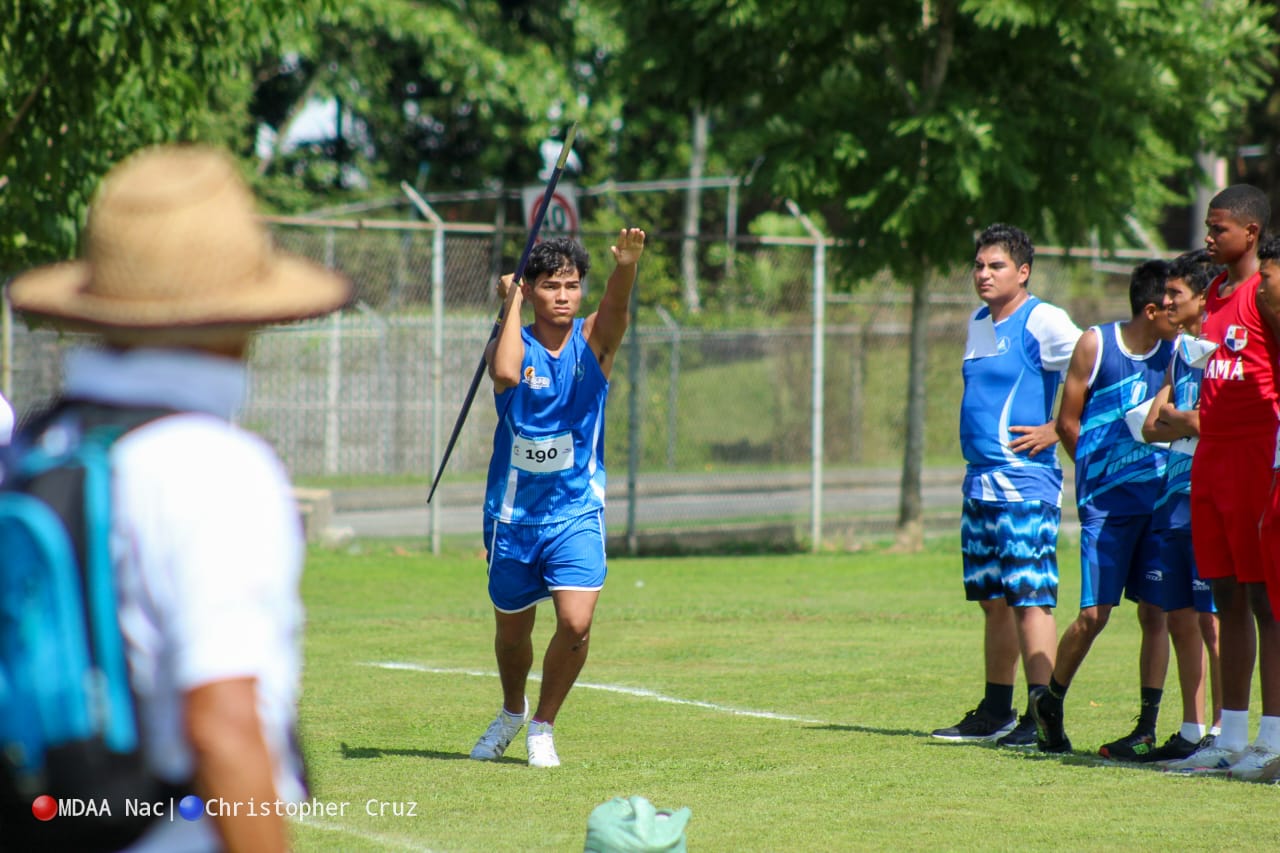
(786, 700)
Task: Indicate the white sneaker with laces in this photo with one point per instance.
(1252, 766)
(499, 735)
(1211, 760)
(542, 746)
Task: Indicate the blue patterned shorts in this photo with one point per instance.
(1010, 551)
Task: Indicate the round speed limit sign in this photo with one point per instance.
(562, 212)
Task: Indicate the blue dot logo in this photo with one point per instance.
(191, 807)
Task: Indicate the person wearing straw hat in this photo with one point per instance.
(177, 274)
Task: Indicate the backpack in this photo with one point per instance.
(68, 718)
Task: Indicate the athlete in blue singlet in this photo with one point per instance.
(1115, 371)
(1016, 352)
(1186, 598)
(544, 499)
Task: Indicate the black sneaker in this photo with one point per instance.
(1051, 736)
(1023, 734)
(978, 726)
(1175, 748)
(1135, 746)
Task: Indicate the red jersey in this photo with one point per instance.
(1238, 392)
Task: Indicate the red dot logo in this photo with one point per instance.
(44, 807)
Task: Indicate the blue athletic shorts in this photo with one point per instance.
(528, 561)
(1119, 555)
(1181, 585)
(1010, 551)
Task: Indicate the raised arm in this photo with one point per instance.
(1075, 389)
(604, 329)
(505, 353)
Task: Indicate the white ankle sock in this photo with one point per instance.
(1192, 732)
(1269, 734)
(1235, 730)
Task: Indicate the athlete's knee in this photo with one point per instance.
(512, 632)
(1227, 594)
(1093, 619)
(1260, 603)
(1152, 618)
(575, 627)
(1184, 623)
(1209, 629)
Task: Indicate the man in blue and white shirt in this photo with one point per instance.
(1017, 350)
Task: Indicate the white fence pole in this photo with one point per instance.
(333, 386)
(819, 369)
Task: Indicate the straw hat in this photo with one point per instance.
(173, 244)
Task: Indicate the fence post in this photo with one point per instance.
(857, 383)
(673, 385)
(333, 386)
(437, 366)
(633, 429)
(819, 368)
(437, 346)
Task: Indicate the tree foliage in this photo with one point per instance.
(461, 93)
(83, 84)
(915, 124)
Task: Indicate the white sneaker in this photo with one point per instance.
(499, 735)
(1253, 764)
(542, 746)
(1210, 760)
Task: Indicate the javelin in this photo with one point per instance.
(515, 282)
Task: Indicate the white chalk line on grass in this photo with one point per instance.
(385, 840)
(639, 692)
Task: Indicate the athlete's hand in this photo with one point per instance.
(1032, 440)
(504, 285)
(629, 247)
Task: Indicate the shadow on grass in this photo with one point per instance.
(364, 752)
(1013, 752)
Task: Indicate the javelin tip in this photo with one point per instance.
(568, 145)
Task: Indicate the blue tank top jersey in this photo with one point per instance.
(548, 447)
(1116, 474)
(1173, 506)
(1007, 384)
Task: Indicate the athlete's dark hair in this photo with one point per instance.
(1245, 203)
(1269, 249)
(554, 255)
(1146, 285)
(1010, 238)
(1195, 269)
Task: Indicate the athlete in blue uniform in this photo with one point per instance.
(544, 500)
(1185, 597)
(1115, 371)
(1016, 352)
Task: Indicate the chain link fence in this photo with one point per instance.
(717, 406)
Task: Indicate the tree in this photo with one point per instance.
(914, 125)
(83, 84)
(461, 93)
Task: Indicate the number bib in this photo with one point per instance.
(543, 455)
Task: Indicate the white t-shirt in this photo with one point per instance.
(208, 550)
